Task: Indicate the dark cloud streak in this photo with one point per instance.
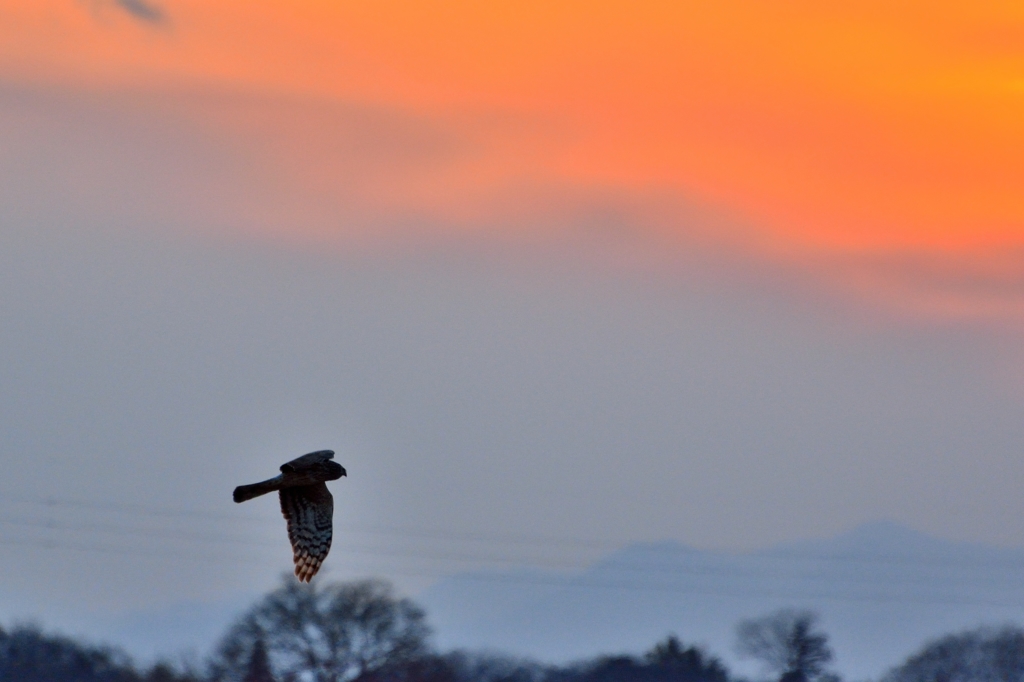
(143, 11)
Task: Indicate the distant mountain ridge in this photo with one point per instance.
(882, 590)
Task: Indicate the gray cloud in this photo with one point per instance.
(143, 11)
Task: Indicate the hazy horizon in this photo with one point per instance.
(883, 592)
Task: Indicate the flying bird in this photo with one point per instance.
(307, 505)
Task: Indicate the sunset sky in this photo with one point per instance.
(863, 130)
(726, 273)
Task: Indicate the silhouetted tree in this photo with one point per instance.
(615, 669)
(787, 643)
(667, 661)
(977, 655)
(424, 668)
(489, 667)
(258, 669)
(27, 655)
(324, 633)
(165, 672)
(672, 662)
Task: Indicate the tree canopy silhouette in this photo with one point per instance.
(322, 633)
(995, 654)
(668, 661)
(673, 662)
(29, 655)
(787, 642)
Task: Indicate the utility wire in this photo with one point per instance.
(708, 568)
(584, 582)
(639, 571)
(461, 557)
(54, 502)
(762, 557)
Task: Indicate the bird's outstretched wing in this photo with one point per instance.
(308, 510)
(307, 460)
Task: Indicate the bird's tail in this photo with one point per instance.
(247, 492)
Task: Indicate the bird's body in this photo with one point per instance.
(307, 505)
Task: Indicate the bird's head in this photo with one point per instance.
(335, 471)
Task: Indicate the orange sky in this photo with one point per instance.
(860, 125)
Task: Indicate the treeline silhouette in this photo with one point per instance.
(362, 632)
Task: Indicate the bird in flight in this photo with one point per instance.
(307, 505)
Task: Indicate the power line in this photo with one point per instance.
(434, 534)
(587, 582)
(361, 549)
(462, 556)
(640, 572)
(49, 524)
(768, 594)
(101, 549)
(383, 530)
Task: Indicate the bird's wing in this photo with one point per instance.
(308, 510)
(307, 460)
